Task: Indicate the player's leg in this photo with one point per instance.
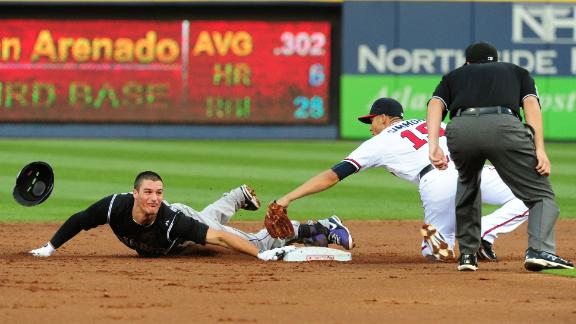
(262, 239)
(313, 233)
(212, 222)
(504, 220)
(309, 234)
(437, 191)
(224, 208)
(320, 233)
(335, 230)
(512, 213)
(212, 218)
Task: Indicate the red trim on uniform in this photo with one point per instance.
(506, 222)
(356, 164)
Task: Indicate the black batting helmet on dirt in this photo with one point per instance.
(34, 184)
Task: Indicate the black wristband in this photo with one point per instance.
(344, 169)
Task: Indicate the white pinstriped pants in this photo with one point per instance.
(438, 192)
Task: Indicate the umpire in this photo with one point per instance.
(483, 98)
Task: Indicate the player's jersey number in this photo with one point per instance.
(417, 140)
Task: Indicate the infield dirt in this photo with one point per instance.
(95, 278)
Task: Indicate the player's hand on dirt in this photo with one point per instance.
(45, 251)
(543, 167)
(438, 158)
(275, 254)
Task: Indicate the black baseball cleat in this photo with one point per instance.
(537, 260)
(251, 202)
(486, 252)
(467, 262)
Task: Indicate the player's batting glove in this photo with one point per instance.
(275, 254)
(45, 251)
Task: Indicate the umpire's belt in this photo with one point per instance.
(477, 111)
(424, 171)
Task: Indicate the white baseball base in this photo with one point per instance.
(312, 253)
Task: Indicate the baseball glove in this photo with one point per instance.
(277, 222)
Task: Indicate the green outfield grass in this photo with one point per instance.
(563, 272)
(198, 172)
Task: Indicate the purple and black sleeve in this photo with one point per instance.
(188, 229)
(93, 216)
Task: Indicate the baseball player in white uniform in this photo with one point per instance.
(400, 146)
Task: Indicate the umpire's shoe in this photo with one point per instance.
(537, 260)
(486, 252)
(251, 202)
(467, 262)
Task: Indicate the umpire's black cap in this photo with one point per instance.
(481, 52)
(34, 184)
(383, 106)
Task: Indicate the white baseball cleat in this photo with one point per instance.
(436, 243)
(251, 202)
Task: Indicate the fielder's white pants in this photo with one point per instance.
(438, 192)
(217, 214)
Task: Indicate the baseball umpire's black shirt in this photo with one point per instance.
(485, 85)
(170, 228)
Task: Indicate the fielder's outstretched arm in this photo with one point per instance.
(318, 183)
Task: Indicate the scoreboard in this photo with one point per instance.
(165, 71)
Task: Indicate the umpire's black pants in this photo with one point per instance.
(506, 142)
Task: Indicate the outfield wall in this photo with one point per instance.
(401, 49)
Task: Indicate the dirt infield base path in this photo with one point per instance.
(94, 278)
